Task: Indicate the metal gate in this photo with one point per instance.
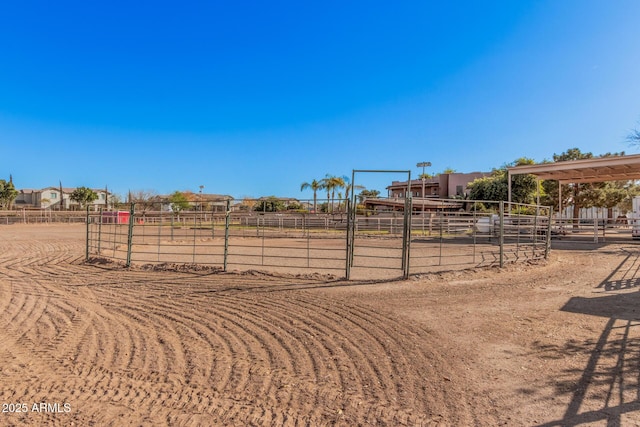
(389, 248)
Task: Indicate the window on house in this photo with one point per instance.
(458, 190)
(54, 195)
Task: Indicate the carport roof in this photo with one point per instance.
(601, 169)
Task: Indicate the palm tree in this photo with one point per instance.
(367, 193)
(315, 186)
(327, 185)
(340, 182)
(331, 184)
(348, 187)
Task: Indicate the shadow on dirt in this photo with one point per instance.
(572, 242)
(608, 388)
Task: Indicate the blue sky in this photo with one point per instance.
(253, 98)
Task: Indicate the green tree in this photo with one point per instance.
(492, 187)
(8, 193)
(179, 201)
(610, 194)
(578, 194)
(269, 204)
(524, 188)
(314, 186)
(364, 194)
(83, 196)
(295, 206)
(632, 189)
(496, 187)
(551, 195)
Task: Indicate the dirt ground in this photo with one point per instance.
(555, 343)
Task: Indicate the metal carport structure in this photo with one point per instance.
(600, 169)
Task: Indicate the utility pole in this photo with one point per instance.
(423, 165)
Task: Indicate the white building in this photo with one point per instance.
(52, 198)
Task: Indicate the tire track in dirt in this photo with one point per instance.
(246, 311)
(270, 375)
(311, 341)
(193, 332)
(167, 347)
(234, 302)
(368, 367)
(102, 385)
(263, 335)
(36, 258)
(240, 351)
(163, 351)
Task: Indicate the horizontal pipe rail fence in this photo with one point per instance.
(302, 242)
(42, 216)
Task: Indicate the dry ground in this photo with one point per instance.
(552, 344)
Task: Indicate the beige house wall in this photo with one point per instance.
(458, 182)
(50, 198)
(443, 186)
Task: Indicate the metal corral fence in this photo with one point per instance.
(448, 235)
(594, 230)
(226, 240)
(500, 233)
(41, 216)
(355, 243)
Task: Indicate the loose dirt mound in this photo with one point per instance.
(525, 345)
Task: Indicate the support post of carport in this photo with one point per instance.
(560, 201)
(509, 185)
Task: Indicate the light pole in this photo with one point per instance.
(423, 165)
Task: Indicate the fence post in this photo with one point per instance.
(160, 218)
(130, 234)
(99, 229)
(226, 234)
(263, 231)
(406, 237)
(195, 230)
(305, 227)
(475, 231)
(213, 222)
(350, 241)
(548, 243)
(440, 214)
(501, 237)
(87, 246)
